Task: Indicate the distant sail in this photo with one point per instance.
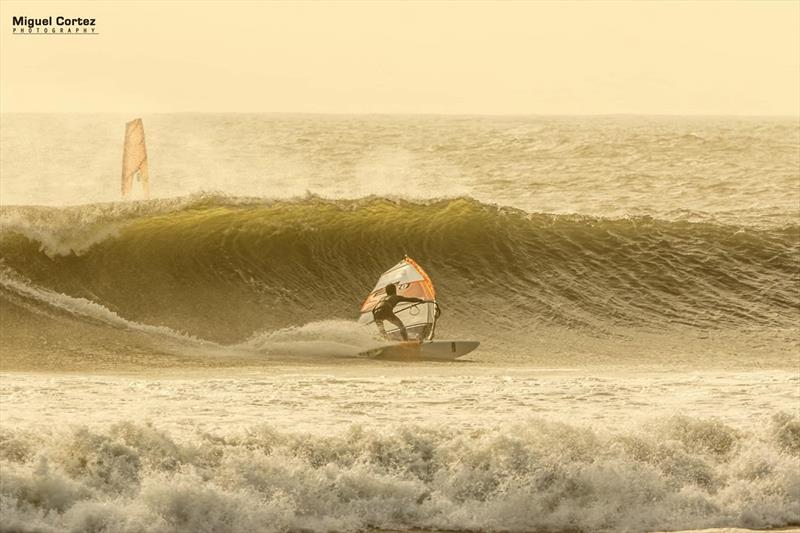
(134, 158)
(411, 281)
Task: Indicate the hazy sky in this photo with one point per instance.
(386, 57)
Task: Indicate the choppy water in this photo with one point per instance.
(729, 169)
(617, 270)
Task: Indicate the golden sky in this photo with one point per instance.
(426, 57)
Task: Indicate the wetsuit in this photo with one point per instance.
(385, 311)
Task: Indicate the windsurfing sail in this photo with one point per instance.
(411, 281)
(134, 158)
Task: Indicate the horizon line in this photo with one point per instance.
(421, 114)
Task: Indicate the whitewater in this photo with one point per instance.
(190, 362)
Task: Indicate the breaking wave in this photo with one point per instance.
(223, 268)
(674, 473)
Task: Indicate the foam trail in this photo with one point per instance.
(337, 338)
(318, 339)
(86, 308)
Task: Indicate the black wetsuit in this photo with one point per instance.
(385, 311)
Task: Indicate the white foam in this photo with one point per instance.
(322, 338)
(82, 307)
(529, 476)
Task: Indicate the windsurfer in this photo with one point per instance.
(384, 310)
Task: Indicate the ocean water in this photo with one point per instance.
(190, 362)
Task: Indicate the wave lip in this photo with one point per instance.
(674, 473)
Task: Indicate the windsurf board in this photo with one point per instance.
(440, 350)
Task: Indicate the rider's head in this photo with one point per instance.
(391, 289)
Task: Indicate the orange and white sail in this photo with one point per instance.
(134, 158)
(411, 281)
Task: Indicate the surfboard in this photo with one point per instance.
(442, 350)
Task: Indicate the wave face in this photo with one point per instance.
(222, 268)
(673, 473)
